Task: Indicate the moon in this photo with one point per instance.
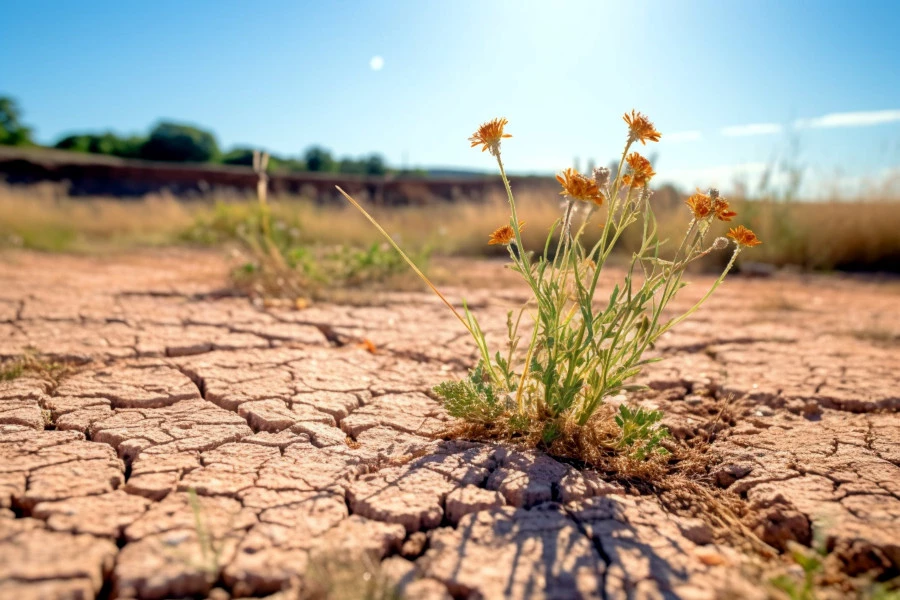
(376, 63)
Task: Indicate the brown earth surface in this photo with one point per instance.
(301, 445)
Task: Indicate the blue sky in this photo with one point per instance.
(732, 85)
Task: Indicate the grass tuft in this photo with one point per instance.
(32, 364)
(276, 263)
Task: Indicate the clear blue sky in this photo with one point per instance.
(287, 74)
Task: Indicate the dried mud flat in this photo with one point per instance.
(299, 443)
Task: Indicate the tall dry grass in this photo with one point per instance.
(832, 235)
(41, 217)
(858, 235)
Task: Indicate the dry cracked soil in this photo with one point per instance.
(205, 446)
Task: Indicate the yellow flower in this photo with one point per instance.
(640, 129)
(578, 187)
(641, 171)
(700, 204)
(743, 236)
(504, 235)
(489, 135)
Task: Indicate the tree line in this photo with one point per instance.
(175, 142)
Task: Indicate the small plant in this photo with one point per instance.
(277, 262)
(333, 575)
(580, 345)
(817, 579)
(641, 431)
(210, 559)
(812, 562)
(31, 363)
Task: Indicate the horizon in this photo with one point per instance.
(359, 80)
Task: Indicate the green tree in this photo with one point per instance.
(319, 159)
(12, 131)
(239, 156)
(130, 147)
(105, 143)
(288, 164)
(374, 165)
(368, 165)
(351, 166)
(180, 143)
(75, 143)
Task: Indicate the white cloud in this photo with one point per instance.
(850, 119)
(751, 129)
(376, 63)
(682, 136)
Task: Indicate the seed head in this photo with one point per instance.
(641, 171)
(640, 129)
(489, 135)
(579, 187)
(719, 243)
(743, 236)
(601, 176)
(504, 235)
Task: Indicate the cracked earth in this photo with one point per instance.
(298, 442)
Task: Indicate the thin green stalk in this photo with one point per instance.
(705, 297)
(526, 263)
(406, 258)
(564, 231)
(520, 403)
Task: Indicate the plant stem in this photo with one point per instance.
(406, 258)
(523, 255)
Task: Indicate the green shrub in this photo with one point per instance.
(173, 142)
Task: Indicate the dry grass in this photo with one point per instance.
(342, 575)
(830, 235)
(42, 218)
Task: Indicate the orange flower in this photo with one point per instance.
(743, 236)
(641, 170)
(723, 211)
(368, 345)
(489, 135)
(578, 187)
(504, 235)
(640, 129)
(700, 204)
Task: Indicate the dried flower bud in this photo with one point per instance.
(601, 176)
(720, 243)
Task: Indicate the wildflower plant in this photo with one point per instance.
(570, 348)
